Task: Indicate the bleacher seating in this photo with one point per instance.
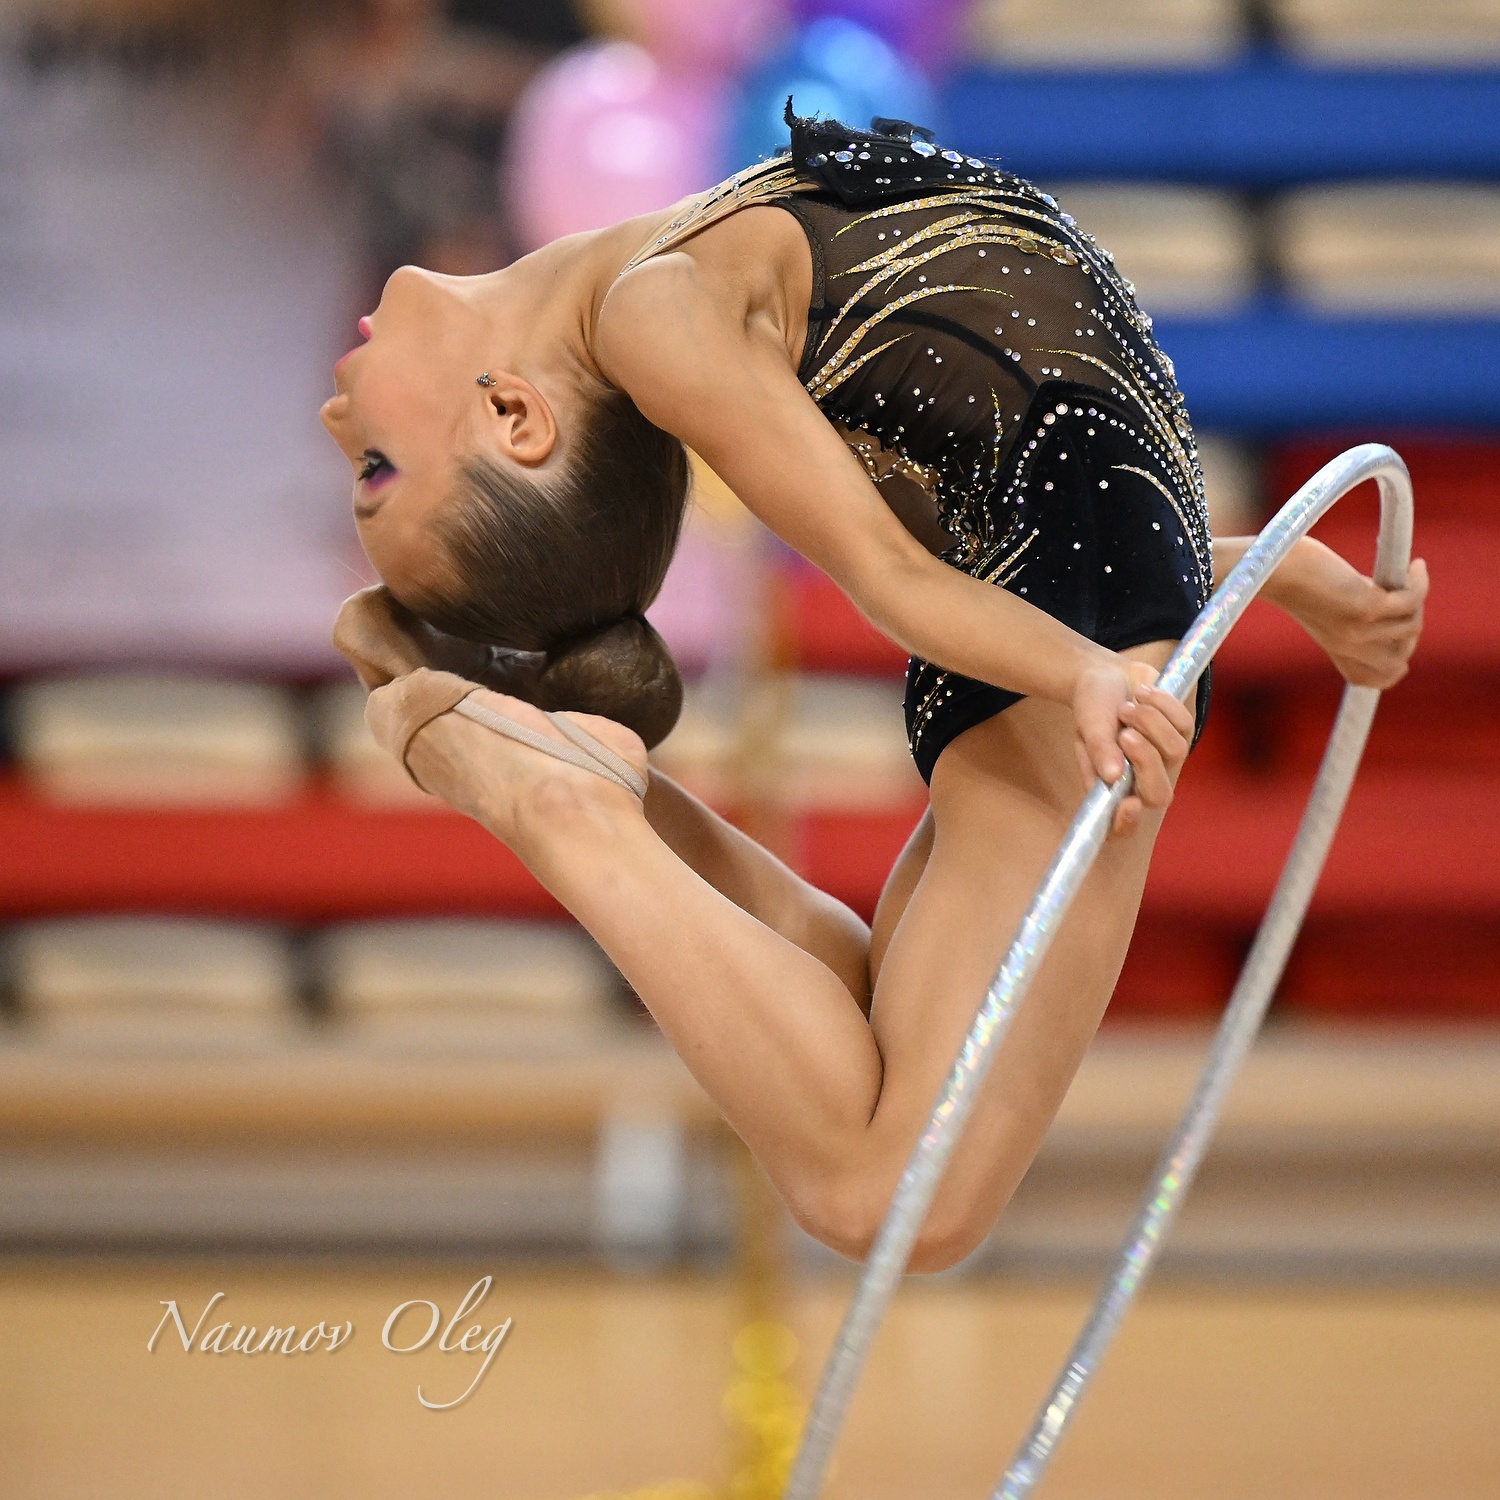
(828, 741)
(359, 769)
(1451, 33)
(1395, 248)
(1262, 121)
(113, 982)
(1107, 33)
(1315, 223)
(1189, 251)
(446, 982)
(158, 739)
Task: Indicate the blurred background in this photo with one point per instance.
(276, 1026)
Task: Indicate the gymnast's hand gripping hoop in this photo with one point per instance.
(1237, 1031)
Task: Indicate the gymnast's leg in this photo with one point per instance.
(829, 1103)
(760, 884)
(736, 866)
(384, 641)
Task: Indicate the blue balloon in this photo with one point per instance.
(834, 69)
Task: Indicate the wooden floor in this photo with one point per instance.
(609, 1384)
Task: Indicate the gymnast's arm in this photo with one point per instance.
(724, 385)
(1369, 632)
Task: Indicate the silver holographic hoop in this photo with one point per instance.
(1237, 1031)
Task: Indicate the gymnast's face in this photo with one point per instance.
(408, 406)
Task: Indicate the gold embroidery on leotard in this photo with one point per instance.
(833, 374)
(880, 461)
(769, 179)
(845, 371)
(1002, 572)
(916, 237)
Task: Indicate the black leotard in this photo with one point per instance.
(966, 335)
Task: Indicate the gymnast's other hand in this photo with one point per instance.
(1123, 717)
(1369, 632)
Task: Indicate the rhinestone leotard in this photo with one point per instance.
(966, 334)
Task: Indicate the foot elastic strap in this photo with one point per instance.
(585, 752)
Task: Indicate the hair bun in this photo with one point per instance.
(623, 672)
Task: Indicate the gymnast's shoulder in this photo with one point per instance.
(695, 320)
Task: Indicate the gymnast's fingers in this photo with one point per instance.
(1127, 818)
(1086, 770)
(1406, 602)
(1097, 698)
(1099, 741)
(1182, 718)
(1378, 650)
(1162, 720)
(1153, 782)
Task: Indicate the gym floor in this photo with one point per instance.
(606, 1384)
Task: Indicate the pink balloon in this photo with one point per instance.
(606, 132)
(723, 35)
(706, 600)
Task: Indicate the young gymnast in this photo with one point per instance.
(918, 371)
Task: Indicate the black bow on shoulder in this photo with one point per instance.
(892, 158)
(881, 127)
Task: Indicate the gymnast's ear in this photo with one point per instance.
(517, 419)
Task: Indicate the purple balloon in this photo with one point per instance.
(605, 132)
(925, 31)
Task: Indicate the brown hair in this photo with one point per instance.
(567, 568)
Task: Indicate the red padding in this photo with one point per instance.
(1453, 477)
(850, 854)
(1414, 967)
(827, 634)
(1434, 723)
(1176, 970)
(314, 859)
(1408, 842)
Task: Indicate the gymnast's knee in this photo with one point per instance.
(832, 933)
(945, 1240)
(848, 1221)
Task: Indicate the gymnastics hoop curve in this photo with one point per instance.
(1237, 1031)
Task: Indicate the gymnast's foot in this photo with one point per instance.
(519, 793)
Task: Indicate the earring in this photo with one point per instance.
(484, 379)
